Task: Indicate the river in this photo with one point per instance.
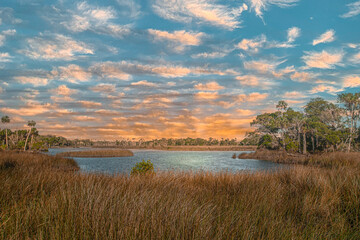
(213, 161)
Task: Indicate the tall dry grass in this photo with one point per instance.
(41, 197)
(98, 153)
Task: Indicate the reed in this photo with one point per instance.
(43, 197)
(98, 153)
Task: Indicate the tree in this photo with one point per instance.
(351, 102)
(5, 120)
(31, 124)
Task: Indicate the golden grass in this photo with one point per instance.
(42, 197)
(327, 160)
(98, 153)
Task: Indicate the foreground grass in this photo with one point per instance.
(43, 197)
(98, 153)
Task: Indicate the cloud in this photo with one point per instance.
(325, 88)
(351, 81)
(178, 39)
(324, 59)
(36, 81)
(110, 70)
(130, 8)
(143, 83)
(71, 73)
(4, 34)
(30, 109)
(53, 47)
(245, 112)
(126, 68)
(255, 44)
(293, 33)
(206, 95)
(90, 104)
(252, 97)
(354, 10)
(252, 45)
(326, 37)
(293, 94)
(104, 88)
(206, 11)
(5, 57)
(95, 19)
(210, 55)
(263, 66)
(355, 58)
(301, 76)
(210, 86)
(248, 80)
(64, 91)
(259, 6)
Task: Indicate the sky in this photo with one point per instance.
(170, 68)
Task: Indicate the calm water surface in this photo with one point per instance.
(171, 160)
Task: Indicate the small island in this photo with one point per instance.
(98, 153)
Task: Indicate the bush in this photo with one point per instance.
(267, 142)
(143, 168)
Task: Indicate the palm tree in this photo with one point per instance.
(31, 124)
(5, 120)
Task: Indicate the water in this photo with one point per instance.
(171, 160)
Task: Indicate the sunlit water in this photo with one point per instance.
(171, 160)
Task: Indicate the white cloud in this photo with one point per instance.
(324, 59)
(210, 55)
(206, 95)
(199, 10)
(143, 83)
(302, 76)
(259, 6)
(252, 45)
(293, 33)
(5, 57)
(354, 10)
(178, 39)
(351, 81)
(326, 37)
(96, 19)
(130, 8)
(55, 47)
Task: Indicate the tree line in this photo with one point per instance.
(320, 126)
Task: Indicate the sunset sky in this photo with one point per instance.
(170, 68)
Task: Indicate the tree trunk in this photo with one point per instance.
(6, 139)
(304, 143)
(27, 137)
(313, 144)
(299, 140)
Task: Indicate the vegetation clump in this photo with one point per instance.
(98, 153)
(143, 168)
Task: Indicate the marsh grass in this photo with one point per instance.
(43, 197)
(98, 153)
(326, 160)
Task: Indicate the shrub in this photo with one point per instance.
(267, 142)
(143, 168)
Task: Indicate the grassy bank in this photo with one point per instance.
(98, 153)
(327, 160)
(43, 197)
